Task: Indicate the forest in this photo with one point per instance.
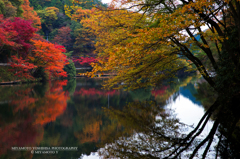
(142, 44)
(42, 40)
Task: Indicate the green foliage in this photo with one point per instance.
(41, 74)
(68, 54)
(6, 75)
(75, 26)
(39, 5)
(52, 21)
(71, 86)
(52, 34)
(17, 4)
(11, 8)
(62, 20)
(83, 39)
(48, 16)
(2, 7)
(205, 94)
(70, 69)
(141, 94)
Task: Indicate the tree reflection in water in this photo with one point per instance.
(149, 131)
(24, 116)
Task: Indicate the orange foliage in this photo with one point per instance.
(30, 14)
(50, 57)
(85, 39)
(82, 13)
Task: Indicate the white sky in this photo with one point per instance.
(106, 1)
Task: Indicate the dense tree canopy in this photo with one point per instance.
(165, 28)
(11, 8)
(63, 37)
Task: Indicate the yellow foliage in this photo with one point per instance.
(144, 49)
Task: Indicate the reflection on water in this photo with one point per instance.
(77, 113)
(148, 129)
(158, 127)
(55, 114)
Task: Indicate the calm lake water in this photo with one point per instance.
(76, 118)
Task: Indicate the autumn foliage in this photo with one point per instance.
(85, 60)
(26, 51)
(16, 33)
(24, 31)
(50, 57)
(63, 37)
(21, 67)
(30, 14)
(122, 37)
(7, 32)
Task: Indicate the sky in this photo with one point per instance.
(106, 1)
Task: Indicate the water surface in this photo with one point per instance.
(76, 114)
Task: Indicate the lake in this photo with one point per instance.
(78, 119)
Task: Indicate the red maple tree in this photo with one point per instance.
(21, 67)
(50, 57)
(7, 32)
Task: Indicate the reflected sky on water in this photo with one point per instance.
(188, 112)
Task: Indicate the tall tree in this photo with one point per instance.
(126, 46)
(145, 42)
